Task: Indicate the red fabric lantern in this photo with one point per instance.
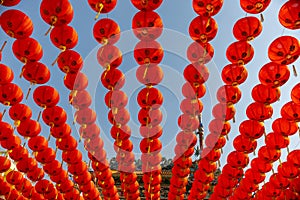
(295, 94)
(269, 154)
(54, 116)
(85, 116)
(200, 52)
(232, 172)
(223, 111)
(240, 52)
(27, 164)
(273, 74)
(76, 82)
(291, 111)
(187, 122)
(35, 174)
(67, 143)
(47, 155)
(94, 145)
(203, 29)
(151, 132)
(254, 6)
(6, 130)
(60, 131)
(259, 111)
(237, 159)
(191, 107)
(150, 117)
(16, 24)
(196, 74)
(106, 31)
(207, 165)
(72, 157)
(234, 74)
(219, 126)
(56, 13)
(294, 157)
(260, 165)
(64, 37)
(18, 153)
(212, 155)
(284, 50)
(265, 94)
(254, 176)
(284, 126)
(37, 143)
(29, 128)
(207, 7)
(191, 92)
(109, 57)
(10, 2)
(36, 73)
(78, 168)
(11, 142)
(279, 181)
(148, 52)
(70, 61)
(150, 145)
(252, 129)
(147, 25)
(27, 50)
(244, 144)
(150, 97)
(46, 96)
(247, 28)
(82, 100)
(229, 94)
(113, 79)
(90, 131)
(288, 170)
(149, 74)
(6, 75)
(288, 15)
(10, 94)
(53, 168)
(214, 141)
(276, 140)
(148, 5)
(102, 6)
(5, 164)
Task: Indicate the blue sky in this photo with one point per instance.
(176, 17)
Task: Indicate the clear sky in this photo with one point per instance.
(176, 16)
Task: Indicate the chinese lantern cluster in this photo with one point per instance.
(147, 26)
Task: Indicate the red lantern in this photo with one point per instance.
(93, 145)
(260, 165)
(273, 74)
(259, 111)
(284, 126)
(207, 7)
(148, 52)
(244, 144)
(150, 117)
(269, 154)
(54, 116)
(147, 25)
(203, 29)
(151, 132)
(11, 142)
(265, 94)
(46, 96)
(36, 73)
(85, 116)
(277, 141)
(237, 159)
(149, 74)
(5, 164)
(240, 52)
(207, 165)
(252, 129)
(109, 57)
(81, 100)
(60, 131)
(27, 50)
(43, 186)
(247, 28)
(219, 126)
(150, 145)
(6, 130)
(212, 155)
(150, 97)
(229, 94)
(10, 2)
(67, 143)
(47, 155)
(16, 24)
(10, 94)
(196, 74)
(288, 15)
(288, 170)
(192, 91)
(223, 111)
(27, 164)
(72, 157)
(284, 50)
(279, 181)
(18, 153)
(295, 94)
(232, 172)
(89, 132)
(191, 107)
(76, 82)
(214, 141)
(200, 52)
(254, 176)
(291, 111)
(37, 143)
(6, 75)
(113, 79)
(103, 6)
(29, 128)
(69, 61)
(53, 168)
(106, 31)
(64, 37)
(147, 5)
(187, 122)
(294, 158)
(234, 74)
(78, 168)
(254, 6)
(56, 13)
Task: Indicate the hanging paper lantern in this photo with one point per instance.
(232, 172)
(284, 50)
(56, 13)
(72, 157)
(247, 28)
(102, 6)
(76, 82)
(46, 96)
(36, 73)
(196, 74)
(276, 140)
(47, 155)
(200, 52)
(269, 154)
(53, 168)
(254, 6)
(81, 100)
(10, 94)
(148, 52)
(64, 37)
(254, 176)
(150, 97)
(151, 132)
(234, 74)
(291, 111)
(229, 94)
(279, 181)
(70, 61)
(18, 153)
(60, 131)
(5, 164)
(223, 111)
(29, 128)
(10, 2)
(27, 164)
(37, 143)
(288, 16)
(191, 92)
(146, 5)
(148, 117)
(259, 111)
(85, 116)
(295, 94)
(67, 143)
(6, 74)
(288, 170)
(5, 131)
(27, 50)
(260, 165)
(16, 24)
(147, 25)
(252, 129)
(36, 174)
(187, 122)
(54, 116)
(206, 7)
(11, 142)
(203, 29)
(265, 94)
(240, 52)
(106, 31)
(109, 57)
(237, 159)
(78, 168)
(214, 141)
(90, 131)
(244, 144)
(149, 75)
(191, 107)
(284, 126)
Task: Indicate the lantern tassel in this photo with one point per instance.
(262, 19)
(295, 71)
(100, 9)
